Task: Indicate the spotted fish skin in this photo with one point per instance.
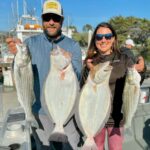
(60, 92)
(95, 103)
(131, 95)
(23, 77)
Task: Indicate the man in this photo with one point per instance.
(40, 47)
(137, 59)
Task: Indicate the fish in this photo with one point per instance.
(131, 96)
(60, 92)
(24, 82)
(95, 103)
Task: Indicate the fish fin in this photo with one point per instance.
(89, 144)
(127, 132)
(58, 134)
(128, 123)
(59, 137)
(33, 122)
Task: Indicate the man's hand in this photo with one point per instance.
(140, 65)
(12, 44)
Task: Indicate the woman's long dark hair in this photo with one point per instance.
(92, 50)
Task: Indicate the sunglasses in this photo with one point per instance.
(48, 17)
(107, 36)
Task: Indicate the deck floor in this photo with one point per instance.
(8, 100)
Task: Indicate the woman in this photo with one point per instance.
(103, 47)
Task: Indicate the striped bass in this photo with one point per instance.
(60, 92)
(131, 95)
(95, 103)
(23, 77)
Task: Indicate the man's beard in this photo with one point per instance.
(54, 35)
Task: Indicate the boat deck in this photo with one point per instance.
(8, 100)
(138, 138)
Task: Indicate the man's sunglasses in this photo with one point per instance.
(107, 36)
(48, 17)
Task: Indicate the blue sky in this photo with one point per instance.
(79, 12)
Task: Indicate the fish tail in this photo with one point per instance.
(127, 132)
(32, 121)
(58, 134)
(89, 144)
(128, 124)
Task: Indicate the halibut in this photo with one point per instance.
(60, 92)
(95, 103)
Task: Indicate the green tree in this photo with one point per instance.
(137, 28)
(87, 27)
(82, 38)
(74, 29)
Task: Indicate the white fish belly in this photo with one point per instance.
(94, 107)
(24, 81)
(60, 94)
(24, 86)
(131, 96)
(130, 102)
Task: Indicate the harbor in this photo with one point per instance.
(15, 122)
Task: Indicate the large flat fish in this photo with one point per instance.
(23, 77)
(95, 103)
(61, 90)
(131, 95)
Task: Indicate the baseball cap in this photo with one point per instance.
(129, 42)
(52, 6)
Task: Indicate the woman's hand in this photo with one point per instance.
(89, 64)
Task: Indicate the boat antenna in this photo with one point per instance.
(17, 12)
(41, 4)
(24, 7)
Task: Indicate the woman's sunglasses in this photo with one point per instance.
(107, 36)
(48, 17)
